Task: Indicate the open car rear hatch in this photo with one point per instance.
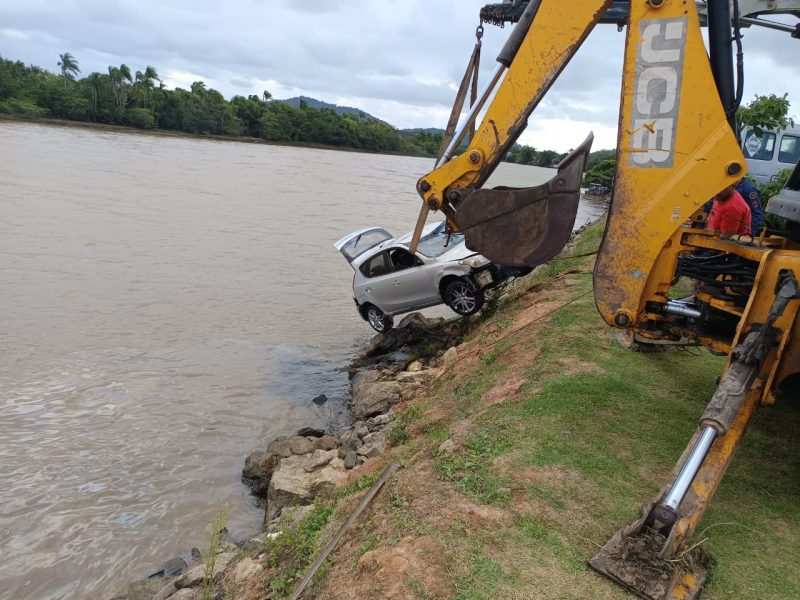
(355, 244)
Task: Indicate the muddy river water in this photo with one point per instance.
(166, 304)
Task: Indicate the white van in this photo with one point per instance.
(771, 153)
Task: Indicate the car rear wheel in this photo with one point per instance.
(379, 321)
(463, 297)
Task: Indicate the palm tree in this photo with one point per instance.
(119, 75)
(94, 80)
(151, 74)
(139, 89)
(68, 65)
(145, 81)
(198, 87)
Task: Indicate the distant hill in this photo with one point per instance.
(431, 130)
(350, 110)
(319, 104)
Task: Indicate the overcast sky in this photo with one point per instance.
(399, 60)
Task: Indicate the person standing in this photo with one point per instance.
(752, 197)
(730, 214)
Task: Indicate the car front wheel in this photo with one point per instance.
(463, 297)
(379, 321)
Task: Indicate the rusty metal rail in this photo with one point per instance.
(330, 546)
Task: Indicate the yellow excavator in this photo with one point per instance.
(677, 148)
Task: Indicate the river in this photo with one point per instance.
(167, 305)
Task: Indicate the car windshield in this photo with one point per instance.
(363, 242)
(437, 242)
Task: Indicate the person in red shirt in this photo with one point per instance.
(730, 214)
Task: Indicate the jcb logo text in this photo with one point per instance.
(656, 92)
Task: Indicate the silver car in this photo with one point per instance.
(390, 280)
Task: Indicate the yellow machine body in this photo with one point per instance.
(674, 153)
(676, 150)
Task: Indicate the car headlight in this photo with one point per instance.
(475, 262)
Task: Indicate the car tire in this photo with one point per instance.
(377, 319)
(462, 296)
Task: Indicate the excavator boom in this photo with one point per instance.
(531, 60)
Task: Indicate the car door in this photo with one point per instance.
(380, 287)
(414, 280)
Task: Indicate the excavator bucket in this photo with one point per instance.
(525, 226)
(632, 558)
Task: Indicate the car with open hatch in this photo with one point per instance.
(389, 280)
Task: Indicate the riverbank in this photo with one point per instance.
(184, 135)
(533, 439)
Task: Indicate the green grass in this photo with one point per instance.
(610, 433)
(294, 550)
(359, 485)
(419, 590)
(549, 475)
(398, 434)
(483, 580)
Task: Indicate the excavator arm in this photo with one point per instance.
(529, 63)
(676, 149)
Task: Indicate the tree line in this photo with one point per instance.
(528, 155)
(140, 99)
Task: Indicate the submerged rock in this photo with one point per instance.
(196, 575)
(174, 567)
(140, 590)
(259, 466)
(311, 431)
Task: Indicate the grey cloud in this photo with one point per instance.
(242, 83)
(380, 54)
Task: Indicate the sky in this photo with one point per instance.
(400, 61)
